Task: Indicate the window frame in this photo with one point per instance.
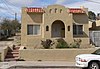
(33, 30)
(78, 33)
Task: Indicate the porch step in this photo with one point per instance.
(13, 52)
(12, 55)
(11, 59)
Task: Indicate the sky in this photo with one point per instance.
(8, 8)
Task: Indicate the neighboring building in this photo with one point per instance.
(53, 22)
(98, 16)
(94, 28)
(94, 25)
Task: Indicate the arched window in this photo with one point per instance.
(60, 10)
(47, 28)
(68, 28)
(55, 10)
(50, 10)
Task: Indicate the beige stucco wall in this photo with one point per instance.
(82, 19)
(65, 17)
(52, 54)
(30, 19)
(47, 19)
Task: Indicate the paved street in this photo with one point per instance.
(38, 65)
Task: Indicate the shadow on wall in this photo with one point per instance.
(37, 18)
(84, 35)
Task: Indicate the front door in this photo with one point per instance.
(56, 30)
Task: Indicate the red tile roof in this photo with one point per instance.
(76, 10)
(40, 10)
(37, 10)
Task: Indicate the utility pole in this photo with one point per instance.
(15, 16)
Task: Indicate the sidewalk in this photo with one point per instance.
(32, 64)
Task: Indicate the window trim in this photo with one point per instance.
(77, 31)
(33, 34)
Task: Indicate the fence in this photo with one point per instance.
(95, 38)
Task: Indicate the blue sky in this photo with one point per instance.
(9, 7)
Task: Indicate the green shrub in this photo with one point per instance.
(62, 44)
(74, 45)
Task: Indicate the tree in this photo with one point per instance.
(10, 26)
(15, 25)
(6, 24)
(92, 15)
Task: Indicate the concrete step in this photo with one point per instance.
(11, 56)
(11, 59)
(13, 52)
(17, 47)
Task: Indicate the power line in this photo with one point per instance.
(8, 8)
(9, 13)
(8, 3)
(93, 1)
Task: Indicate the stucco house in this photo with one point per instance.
(53, 22)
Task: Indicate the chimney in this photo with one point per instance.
(82, 7)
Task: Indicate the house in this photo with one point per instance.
(94, 32)
(54, 22)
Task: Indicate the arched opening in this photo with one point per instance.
(47, 28)
(58, 29)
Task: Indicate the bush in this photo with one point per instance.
(76, 43)
(62, 44)
(47, 44)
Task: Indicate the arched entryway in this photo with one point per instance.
(58, 29)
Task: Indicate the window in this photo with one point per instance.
(50, 10)
(77, 29)
(60, 10)
(47, 28)
(55, 10)
(33, 29)
(68, 28)
(30, 29)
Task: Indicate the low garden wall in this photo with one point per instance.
(52, 54)
(4, 52)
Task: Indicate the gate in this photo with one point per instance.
(95, 38)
